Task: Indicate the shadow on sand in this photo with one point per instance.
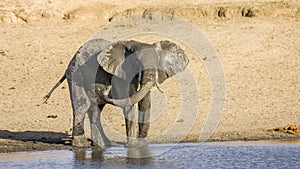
(37, 136)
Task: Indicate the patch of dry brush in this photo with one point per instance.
(290, 128)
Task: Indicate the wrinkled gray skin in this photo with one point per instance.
(121, 74)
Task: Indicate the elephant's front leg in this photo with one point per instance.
(131, 132)
(144, 116)
(144, 120)
(138, 138)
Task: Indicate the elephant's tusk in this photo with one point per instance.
(157, 86)
(156, 82)
(139, 79)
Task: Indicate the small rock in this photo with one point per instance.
(180, 120)
(52, 116)
(2, 52)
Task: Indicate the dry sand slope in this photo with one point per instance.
(258, 45)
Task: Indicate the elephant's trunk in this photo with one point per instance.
(136, 97)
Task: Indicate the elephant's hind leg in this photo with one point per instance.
(97, 133)
(80, 105)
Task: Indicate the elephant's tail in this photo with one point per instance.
(53, 88)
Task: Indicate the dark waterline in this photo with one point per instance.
(276, 154)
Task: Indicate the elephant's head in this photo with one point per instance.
(154, 62)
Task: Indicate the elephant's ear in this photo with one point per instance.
(172, 58)
(114, 59)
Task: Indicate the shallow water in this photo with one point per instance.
(275, 154)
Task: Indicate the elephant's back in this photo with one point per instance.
(84, 53)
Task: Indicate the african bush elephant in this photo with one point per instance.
(121, 74)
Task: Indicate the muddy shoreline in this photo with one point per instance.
(14, 144)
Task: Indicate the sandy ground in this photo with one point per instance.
(257, 43)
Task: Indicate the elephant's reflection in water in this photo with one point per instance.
(82, 154)
(137, 156)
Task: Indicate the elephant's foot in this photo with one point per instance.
(81, 142)
(98, 137)
(137, 142)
